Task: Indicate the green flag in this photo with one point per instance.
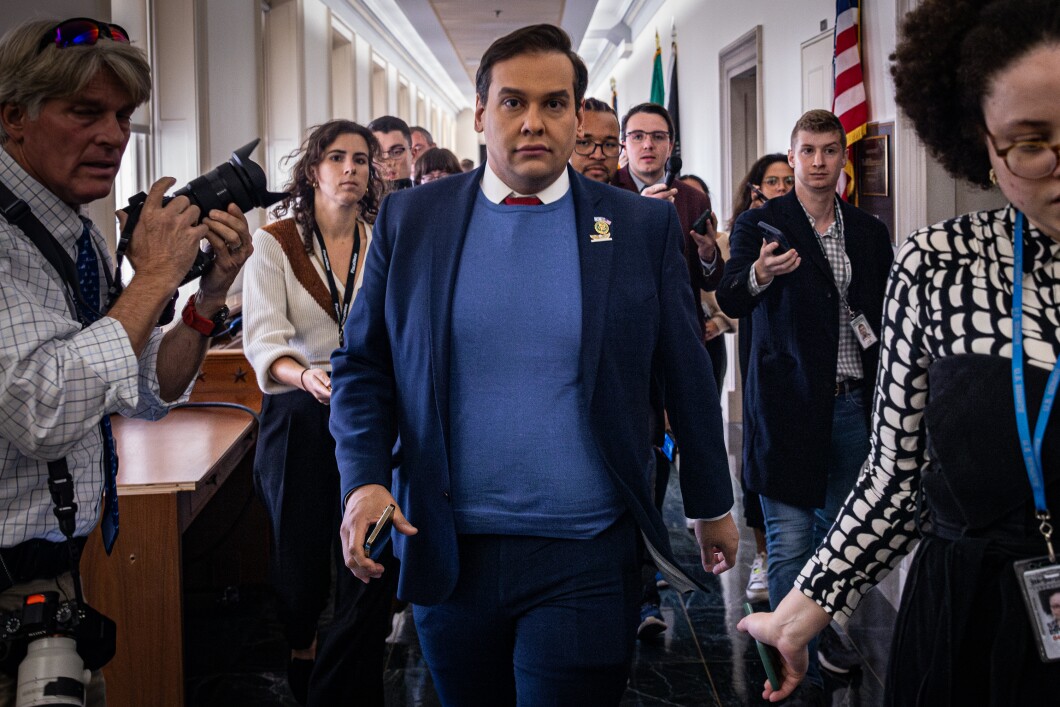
(658, 94)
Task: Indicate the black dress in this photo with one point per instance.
(945, 468)
(962, 591)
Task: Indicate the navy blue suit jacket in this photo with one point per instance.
(392, 377)
(789, 381)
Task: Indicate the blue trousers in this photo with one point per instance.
(794, 532)
(536, 621)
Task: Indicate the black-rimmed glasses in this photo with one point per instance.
(1030, 159)
(82, 32)
(775, 181)
(394, 153)
(586, 147)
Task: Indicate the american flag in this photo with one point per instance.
(849, 94)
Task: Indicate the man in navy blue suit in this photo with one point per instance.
(507, 331)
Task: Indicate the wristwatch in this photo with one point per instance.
(207, 327)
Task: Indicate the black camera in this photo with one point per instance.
(239, 181)
(53, 646)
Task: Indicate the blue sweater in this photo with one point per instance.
(524, 459)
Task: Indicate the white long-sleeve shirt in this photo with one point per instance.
(287, 307)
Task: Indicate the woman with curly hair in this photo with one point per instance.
(969, 340)
(770, 176)
(297, 291)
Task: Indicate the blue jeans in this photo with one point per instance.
(794, 532)
(536, 621)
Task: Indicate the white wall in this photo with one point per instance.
(705, 27)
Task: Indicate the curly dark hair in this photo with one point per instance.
(300, 202)
(948, 55)
(741, 199)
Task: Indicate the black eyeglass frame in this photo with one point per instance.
(594, 144)
(388, 156)
(103, 30)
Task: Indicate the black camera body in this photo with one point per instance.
(44, 616)
(239, 181)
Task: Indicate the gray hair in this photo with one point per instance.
(30, 76)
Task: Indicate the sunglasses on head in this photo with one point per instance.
(82, 32)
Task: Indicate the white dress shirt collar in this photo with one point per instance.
(497, 191)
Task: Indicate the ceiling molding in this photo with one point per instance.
(389, 31)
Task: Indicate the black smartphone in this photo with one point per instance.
(379, 534)
(700, 226)
(755, 191)
(768, 654)
(775, 235)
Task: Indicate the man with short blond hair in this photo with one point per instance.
(809, 292)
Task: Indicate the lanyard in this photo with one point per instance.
(1031, 448)
(844, 260)
(342, 308)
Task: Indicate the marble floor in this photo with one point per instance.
(237, 656)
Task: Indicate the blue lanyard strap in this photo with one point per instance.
(1031, 447)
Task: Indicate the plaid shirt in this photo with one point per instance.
(58, 379)
(833, 243)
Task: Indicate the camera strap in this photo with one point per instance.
(19, 215)
(60, 482)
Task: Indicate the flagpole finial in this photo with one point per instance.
(658, 45)
(613, 84)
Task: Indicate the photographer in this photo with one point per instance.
(67, 94)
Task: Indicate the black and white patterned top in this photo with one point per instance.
(950, 293)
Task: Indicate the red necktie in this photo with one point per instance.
(522, 201)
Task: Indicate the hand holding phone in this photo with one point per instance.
(768, 654)
(757, 193)
(379, 534)
(700, 226)
(775, 235)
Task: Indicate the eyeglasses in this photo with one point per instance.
(1030, 159)
(639, 136)
(586, 147)
(81, 32)
(774, 181)
(395, 153)
(434, 175)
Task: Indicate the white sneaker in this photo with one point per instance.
(758, 584)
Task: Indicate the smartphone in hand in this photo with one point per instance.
(700, 226)
(775, 235)
(768, 654)
(379, 534)
(756, 192)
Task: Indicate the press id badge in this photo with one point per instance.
(863, 331)
(1040, 581)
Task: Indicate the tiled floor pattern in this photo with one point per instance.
(237, 654)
